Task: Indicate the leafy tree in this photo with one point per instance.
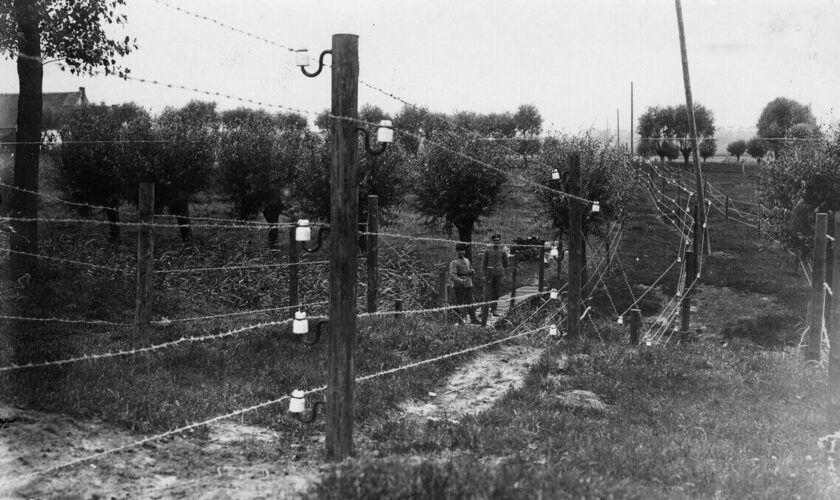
(258, 158)
(73, 34)
(671, 122)
(606, 176)
(756, 148)
(452, 189)
(88, 160)
(737, 148)
(528, 126)
(667, 149)
(804, 180)
(778, 116)
(707, 148)
(412, 125)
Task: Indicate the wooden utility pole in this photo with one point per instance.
(145, 270)
(575, 239)
(631, 120)
(294, 276)
(834, 340)
(344, 209)
(372, 252)
(692, 124)
(815, 311)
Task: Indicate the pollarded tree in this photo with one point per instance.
(667, 149)
(708, 147)
(737, 148)
(258, 158)
(71, 33)
(756, 148)
(804, 180)
(606, 176)
(671, 122)
(778, 116)
(453, 187)
(89, 158)
(528, 122)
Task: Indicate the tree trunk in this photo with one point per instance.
(465, 233)
(113, 226)
(686, 152)
(272, 216)
(30, 100)
(181, 210)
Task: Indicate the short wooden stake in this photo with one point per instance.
(398, 307)
(442, 298)
(635, 325)
(815, 310)
(145, 271)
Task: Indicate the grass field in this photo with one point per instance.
(705, 419)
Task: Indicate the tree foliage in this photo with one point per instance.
(707, 148)
(671, 123)
(778, 116)
(452, 189)
(799, 183)
(606, 176)
(757, 148)
(73, 34)
(737, 148)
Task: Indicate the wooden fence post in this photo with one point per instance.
(514, 264)
(442, 298)
(575, 239)
(294, 273)
(398, 307)
(541, 285)
(344, 238)
(635, 325)
(372, 252)
(834, 340)
(145, 271)
(690, 274)
(815, 310)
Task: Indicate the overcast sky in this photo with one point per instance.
(574, 60)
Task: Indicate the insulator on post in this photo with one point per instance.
(596, 206)
(300, 325)
(554, 294)
(555, 174)
(296, 403)
(303, 231)
(385, 133)
(552, 331)
(302, 57)
(554, 252)
(621, 320)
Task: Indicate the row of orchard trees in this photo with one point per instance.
(452, 169)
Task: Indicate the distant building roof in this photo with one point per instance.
(54, 104)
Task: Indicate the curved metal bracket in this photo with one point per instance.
(320, 65)
(311, 418)
(373, 152)
(321, 233)
(318, 326)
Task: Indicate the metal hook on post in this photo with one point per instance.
(303, 234)
(297, 405)
(384, 135)
(302, 60)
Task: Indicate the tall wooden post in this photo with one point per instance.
(541, 282)
(442, 296)
(145, 270)
(692, 123)
(815, 310)
(575, 239)
(635, 325)
(514, 264)
(372, 252)
(685, 304)
(294, 270)
(344, 209)
(834, 340)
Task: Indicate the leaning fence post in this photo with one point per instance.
(815, 310)
(145, 271)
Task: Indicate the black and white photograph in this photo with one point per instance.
(378, 249)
